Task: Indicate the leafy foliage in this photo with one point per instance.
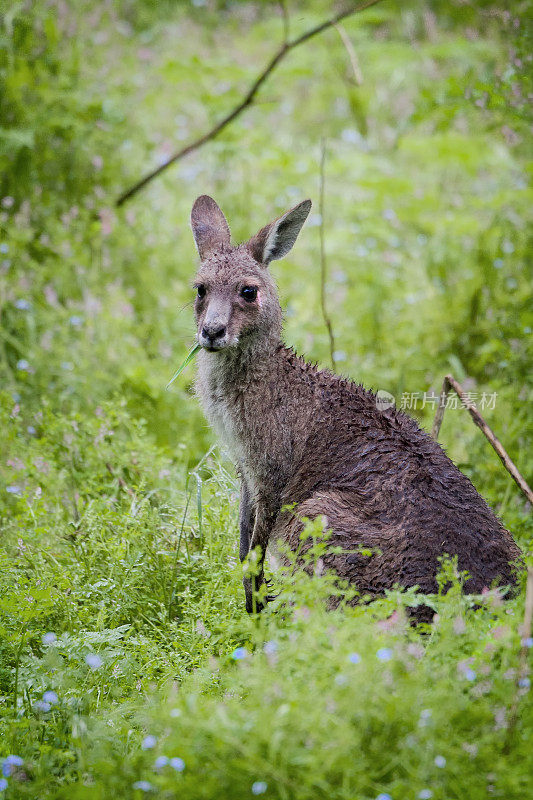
(127, 662)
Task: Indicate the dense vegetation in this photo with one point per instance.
(128, 666)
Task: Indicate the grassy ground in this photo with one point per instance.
(128, 666)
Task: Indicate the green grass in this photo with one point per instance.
(120, 588)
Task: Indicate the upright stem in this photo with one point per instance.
(323, 263)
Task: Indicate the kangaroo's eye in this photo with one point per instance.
(249, 293)
(200, 289)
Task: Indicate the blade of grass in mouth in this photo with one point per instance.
(187, 361)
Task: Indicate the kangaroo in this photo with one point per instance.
(308, 438)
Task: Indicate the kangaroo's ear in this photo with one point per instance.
(275, 240)
(209, 227)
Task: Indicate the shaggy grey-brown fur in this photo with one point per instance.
(304, 436)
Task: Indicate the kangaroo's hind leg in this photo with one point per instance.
(375, 554)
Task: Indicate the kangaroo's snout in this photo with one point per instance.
(213, 336)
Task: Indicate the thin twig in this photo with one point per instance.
(249, 97)
(323, 262)
(450, 383)
(352, 55)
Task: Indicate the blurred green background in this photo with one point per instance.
(426, 123)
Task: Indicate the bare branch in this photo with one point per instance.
(450, 383)
(323, 263)
(248, 98)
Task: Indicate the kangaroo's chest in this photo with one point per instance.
(253, 436)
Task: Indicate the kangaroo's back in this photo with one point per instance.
(385, 485)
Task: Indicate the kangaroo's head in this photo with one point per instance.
(236, 297)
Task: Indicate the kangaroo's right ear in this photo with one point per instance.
(209, 227)
(275, 240)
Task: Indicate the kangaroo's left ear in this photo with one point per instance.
(275, 240)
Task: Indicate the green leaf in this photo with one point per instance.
(187, 361)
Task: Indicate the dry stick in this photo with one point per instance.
(450, 383)
(523, 666)
(347, 42)
(323, 264)
(249, 97)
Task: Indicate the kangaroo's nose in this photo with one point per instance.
(213, 332)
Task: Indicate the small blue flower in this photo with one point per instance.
(160, 762)
(144, 786)
(13, 489)
(50, 697)
(425, 794)
(8, 763)
(149, 742)
(4, 248)
(31, 430)
(16, 761)
(3, 784)
(259, 787)
(49, 638)
(76, 321)
(440, 761)
(524, 683)
(238, 653)
(93, 661)
(470, 674)
(23, 365)
(354, 658)
(177, 763)
(527, 642)
(270, 648)
(42, 705)
(384, 796)
(384, 654)
(22, 305)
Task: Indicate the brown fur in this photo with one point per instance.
(304, 436)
